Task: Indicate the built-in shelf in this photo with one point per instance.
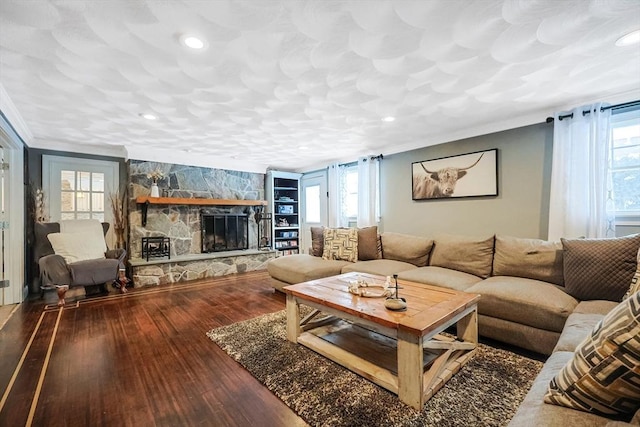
(283, 193)
(145, 201)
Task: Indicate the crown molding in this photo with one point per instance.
(10, 111)
(93, 149)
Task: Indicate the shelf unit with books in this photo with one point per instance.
(283, 196)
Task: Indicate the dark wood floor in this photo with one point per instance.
(138, 359)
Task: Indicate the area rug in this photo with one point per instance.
(486, 392)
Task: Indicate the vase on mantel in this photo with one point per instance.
(155, 192)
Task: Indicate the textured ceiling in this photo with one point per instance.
(293, 84)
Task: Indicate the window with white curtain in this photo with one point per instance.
(349, 196)
(349, 184)
(625, 163)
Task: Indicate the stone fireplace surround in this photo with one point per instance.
(182, 223)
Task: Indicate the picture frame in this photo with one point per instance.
(464, 175)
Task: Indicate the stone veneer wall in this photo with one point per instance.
(172, 272)
(181, 223)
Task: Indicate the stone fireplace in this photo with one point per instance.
(199, 246)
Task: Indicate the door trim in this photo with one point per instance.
(15, 234)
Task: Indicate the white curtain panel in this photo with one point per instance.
(335, 196)
(581, 187)
(368, 191)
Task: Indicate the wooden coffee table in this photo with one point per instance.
(403, 352)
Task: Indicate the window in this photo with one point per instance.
(312, 204)
(82, 195)
(349, 195)
(625, 162)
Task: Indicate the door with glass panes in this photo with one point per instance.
(314, 205)
(79, 189)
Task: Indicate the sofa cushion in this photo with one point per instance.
(528, 258)
(403, 247)
(527, 301)
(473, 255)
(599, 268)
(443, 277)
(635, 280)
(595, 307)
(603, 376)
(533, 412)
(581, 322)
(74, 247)
(368, 243)
(300, 268)
(576, 329)
(317, 241)
(340, 244)
(382, 267)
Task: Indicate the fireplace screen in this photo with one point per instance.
(225, 232)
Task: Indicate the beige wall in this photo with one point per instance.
(520, 209)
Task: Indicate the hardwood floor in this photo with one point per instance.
(137, 359)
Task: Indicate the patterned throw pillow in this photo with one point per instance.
(341, 244)
(604, 375)
(635, 281)
(599, 268)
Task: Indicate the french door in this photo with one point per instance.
(314, 205)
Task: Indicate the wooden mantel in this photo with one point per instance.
(145, 201)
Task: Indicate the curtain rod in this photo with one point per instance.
(610, 107)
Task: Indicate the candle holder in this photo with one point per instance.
(396, 303)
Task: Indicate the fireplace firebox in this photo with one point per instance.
(224, 232)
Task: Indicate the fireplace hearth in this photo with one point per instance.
(224, 232)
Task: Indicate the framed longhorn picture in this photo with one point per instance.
(466, 175)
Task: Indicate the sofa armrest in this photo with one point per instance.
(118, 254)
(54, 270)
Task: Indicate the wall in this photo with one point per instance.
(181, 223)
(520, 209)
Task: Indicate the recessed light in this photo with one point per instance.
(303, 147)
(388, 119)
(148, 116)
(192, 41)
(629, 39)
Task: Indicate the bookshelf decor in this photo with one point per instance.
(283, 194)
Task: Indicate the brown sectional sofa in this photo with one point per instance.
(523, 299)
(520, 308)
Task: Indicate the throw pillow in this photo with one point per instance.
(635, 280)
(406, 248)
(599, 268)
(340, 244)
(368, 243)
(317, 241)
(74, 247)
(473, 255)
(528, 258)
(603, 377)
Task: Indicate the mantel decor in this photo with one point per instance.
(145, 201)
(466, 175)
